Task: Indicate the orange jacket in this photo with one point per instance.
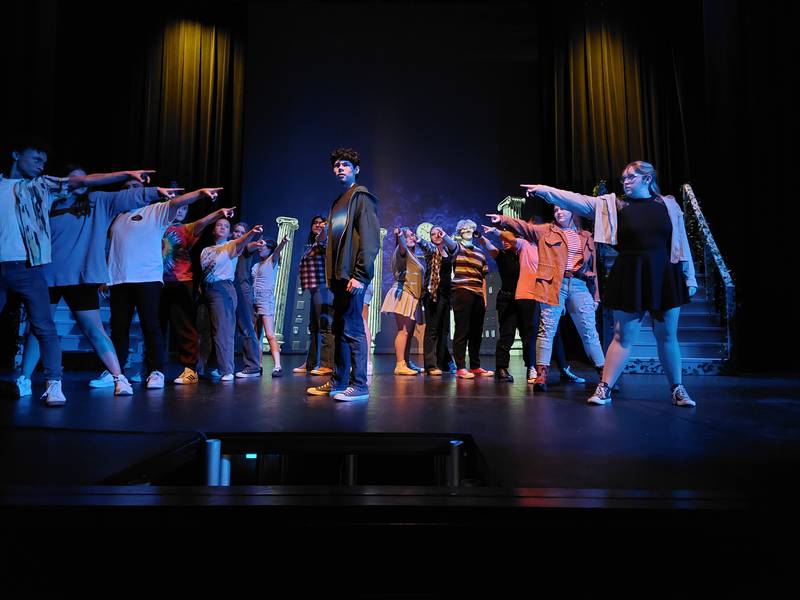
(552, 244)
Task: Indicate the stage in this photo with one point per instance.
(714, 480)
(743, 436)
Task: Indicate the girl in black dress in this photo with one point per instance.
(653, 273)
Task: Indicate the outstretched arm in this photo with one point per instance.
(518, 226)
(96, 179)
(276, 254)
(201, 224)
(247, 238)
(577, 203)
(190, 198)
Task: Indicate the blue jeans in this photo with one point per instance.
(580, 305)
(350, 339)
(29, 283)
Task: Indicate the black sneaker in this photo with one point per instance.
(503, 375)
(249, 372)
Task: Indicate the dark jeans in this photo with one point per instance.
(245, 326)
(144, 299)
(29, 283)
(468, 312)
(320, 320)
(350, 339)
(437, 332)
(178, 311)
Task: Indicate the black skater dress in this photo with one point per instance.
(643, 278)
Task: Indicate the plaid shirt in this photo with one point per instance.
(312, 267)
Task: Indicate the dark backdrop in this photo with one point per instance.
(450, 107)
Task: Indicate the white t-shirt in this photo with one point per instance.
(219, 262)
(11, 245)
(135, 252)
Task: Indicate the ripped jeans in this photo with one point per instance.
(579, 303)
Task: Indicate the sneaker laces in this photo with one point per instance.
(602, 389)
(54, 383)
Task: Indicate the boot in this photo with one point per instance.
(401, 368)
(540, 384)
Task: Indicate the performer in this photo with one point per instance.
(25, 201)
(653, 273)
(469, 301)
(245, 320)
(508, 309)
(79, 229)
(178, 305)
(264, 296)
(218, 263)
(353, 243)
(319, 360)
(565, 276)
(403, 298)
(439, 257)
(136, 275)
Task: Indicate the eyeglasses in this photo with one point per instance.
(629, 177)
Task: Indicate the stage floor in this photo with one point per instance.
(743, 436)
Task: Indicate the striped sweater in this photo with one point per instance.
(469, 269)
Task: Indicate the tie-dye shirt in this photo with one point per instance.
(175, 247)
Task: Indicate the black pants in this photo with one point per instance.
(468, 312)
(437, 332)
(179, 313)
(510, 318)
(144, 298)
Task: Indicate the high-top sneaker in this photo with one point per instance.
(540, 383)
(602, 395)
(531, 375)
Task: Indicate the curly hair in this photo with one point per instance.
(347, 154)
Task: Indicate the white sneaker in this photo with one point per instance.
(680, 397)
(122, 387)
(188, 377)
(227, 377)
(23, 386)
(155, 380)
(53, 396)
(105, 380)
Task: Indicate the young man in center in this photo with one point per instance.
(353, 244)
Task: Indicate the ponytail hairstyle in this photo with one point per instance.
(643, 168)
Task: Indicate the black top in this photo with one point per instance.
(643, 278)
(508, 267)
